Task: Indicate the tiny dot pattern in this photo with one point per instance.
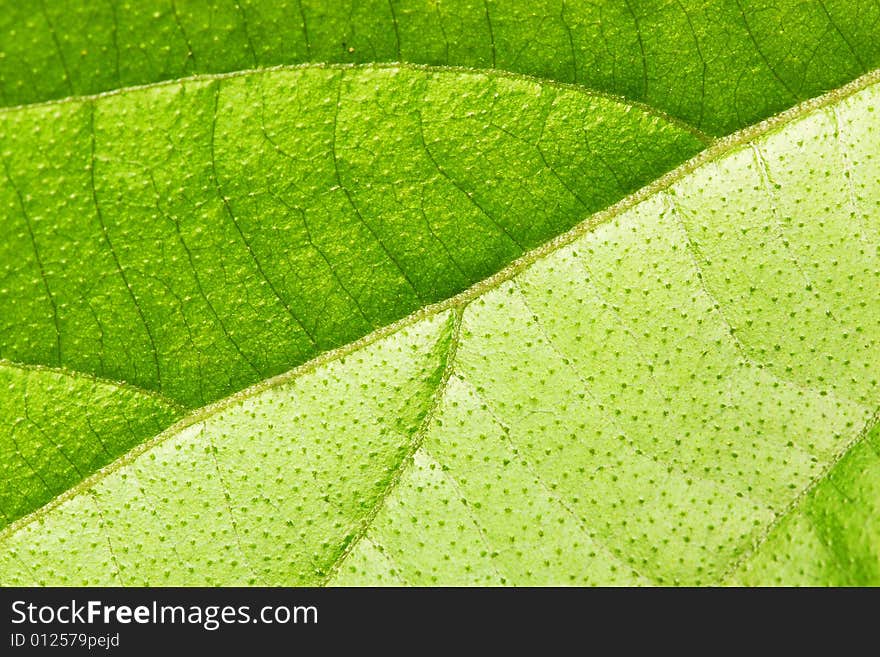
(684, 394)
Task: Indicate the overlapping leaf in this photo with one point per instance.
(620, 408)
(719, 65)
(200, 235)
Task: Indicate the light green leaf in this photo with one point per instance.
(171, 511)
(680, 390)
(832, 534)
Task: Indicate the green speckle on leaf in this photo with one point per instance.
(439, 293)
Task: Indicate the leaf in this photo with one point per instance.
(832, 534)
(680, 390)
(147, 225)
(49, 447)
(198, 237)
(719, 65)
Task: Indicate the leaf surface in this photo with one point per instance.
(232, 221)
(677, 392)
(46, 447)
(197, 237)
(831, 535)
(719, 65)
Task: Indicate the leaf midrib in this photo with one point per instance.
(715, 148)
(592, 92)
(89, 376)
(415, 444)
(792, 506)
(459, 302)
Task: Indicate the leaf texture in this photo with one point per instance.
(719, 65)
(240, 216)
(682, 390)
(47, 447)
(197, 237)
